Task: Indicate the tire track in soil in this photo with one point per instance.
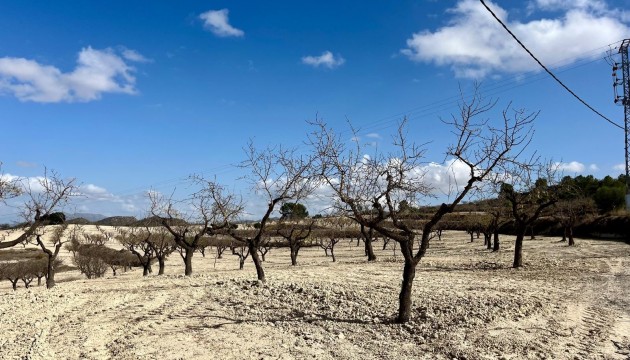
(595, 317)
(592, 331)
(163, 317)
(87, 326)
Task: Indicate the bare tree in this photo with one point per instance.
(295, 234)
(12, 272)
(162, 244)
(529, 189)
(44, 195)
(337, 229)
(212, 211)
(278, 175)
(571, 208)
(381, 182)
(136, 240)
(242, 252)
(57, 239)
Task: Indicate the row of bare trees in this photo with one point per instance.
(364, 185)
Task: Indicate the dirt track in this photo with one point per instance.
(566, 303)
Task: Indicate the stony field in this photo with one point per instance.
(566, 303)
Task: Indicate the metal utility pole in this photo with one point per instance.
(625, 102)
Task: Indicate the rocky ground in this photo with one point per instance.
(566, 303)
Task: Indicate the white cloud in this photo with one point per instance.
(218, 23)
(92, 190)
(620, 167)
(97, 72)
(326, 59)
(593, 167)
(475, 45)
(444, 178)
(571, 167)
(373, 135)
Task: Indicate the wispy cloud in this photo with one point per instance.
(474, 45)
(97, 72)
(26, 164)
(217, 22)
(133, 55)
(326, 59)
(620, 167)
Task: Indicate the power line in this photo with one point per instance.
(547, 70)
(492, 89)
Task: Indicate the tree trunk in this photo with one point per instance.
(260, 272)
(332, 253)
(496, 246)
(488, 239)
(145, 269)
(369, 249)
(532, 236)
(241, 262)
(518, 249)
(294, 254)
(50, 274)
(161, 264)
(472, 236)
(564, 233)
(14, 283)
(39, 281)
(404, 299)
(570, 235)
(188, 261)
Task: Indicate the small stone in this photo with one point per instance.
(341, 336)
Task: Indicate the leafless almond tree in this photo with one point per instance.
(57, 239)
(44, 195)
(211, 211)
(529, 188)
(295, 234)
(136, 240)
(278, 175)
(378, 183)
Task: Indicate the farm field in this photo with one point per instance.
(565, 303)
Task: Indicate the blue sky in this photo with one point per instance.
(129, 96)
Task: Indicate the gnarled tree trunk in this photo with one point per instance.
(260, 272)
(409, 273)
(518, 249)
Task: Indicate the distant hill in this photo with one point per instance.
(117, 221)
(155, 221)
(87, 216)
(79, 221)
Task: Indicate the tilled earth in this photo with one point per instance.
(566, 303)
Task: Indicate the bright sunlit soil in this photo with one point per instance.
(566, 303)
